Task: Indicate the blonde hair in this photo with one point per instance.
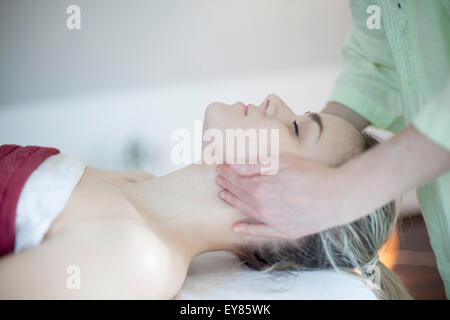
(346, 248)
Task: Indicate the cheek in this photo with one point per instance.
(328, 152)
(246, 138)
(290, 144)
(285, 142)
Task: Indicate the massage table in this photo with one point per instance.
(221, 276)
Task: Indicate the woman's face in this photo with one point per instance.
(316, 136)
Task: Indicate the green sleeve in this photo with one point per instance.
(368, 83)
(434, 120)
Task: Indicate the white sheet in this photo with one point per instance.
(219, 275)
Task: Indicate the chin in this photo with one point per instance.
(221, 116)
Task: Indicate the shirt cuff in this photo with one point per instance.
(43, 197)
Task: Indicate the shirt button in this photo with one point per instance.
(402, 16)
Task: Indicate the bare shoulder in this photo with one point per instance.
(100, 259)
(135, 175)
(121, 176)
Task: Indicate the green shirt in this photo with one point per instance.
(399, 74)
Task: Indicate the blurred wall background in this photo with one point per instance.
(112, 93)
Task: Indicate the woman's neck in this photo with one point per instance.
(184, 210)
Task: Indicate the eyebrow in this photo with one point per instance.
(316, 118)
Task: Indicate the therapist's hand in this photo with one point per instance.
(303, 198)
(306, 197)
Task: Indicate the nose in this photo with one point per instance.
(273, 107)
(266, 107)
(270, 109)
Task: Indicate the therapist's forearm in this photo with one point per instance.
(407, 160)
(344, 112)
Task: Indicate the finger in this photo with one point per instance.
(233, 201)
(257, 230)
(246, 169)
(242, 195)
(242, 182)
(226, 172)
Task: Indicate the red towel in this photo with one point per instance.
(16, 165)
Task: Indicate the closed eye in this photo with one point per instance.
(295, 127)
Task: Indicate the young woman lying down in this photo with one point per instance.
(132, 235)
